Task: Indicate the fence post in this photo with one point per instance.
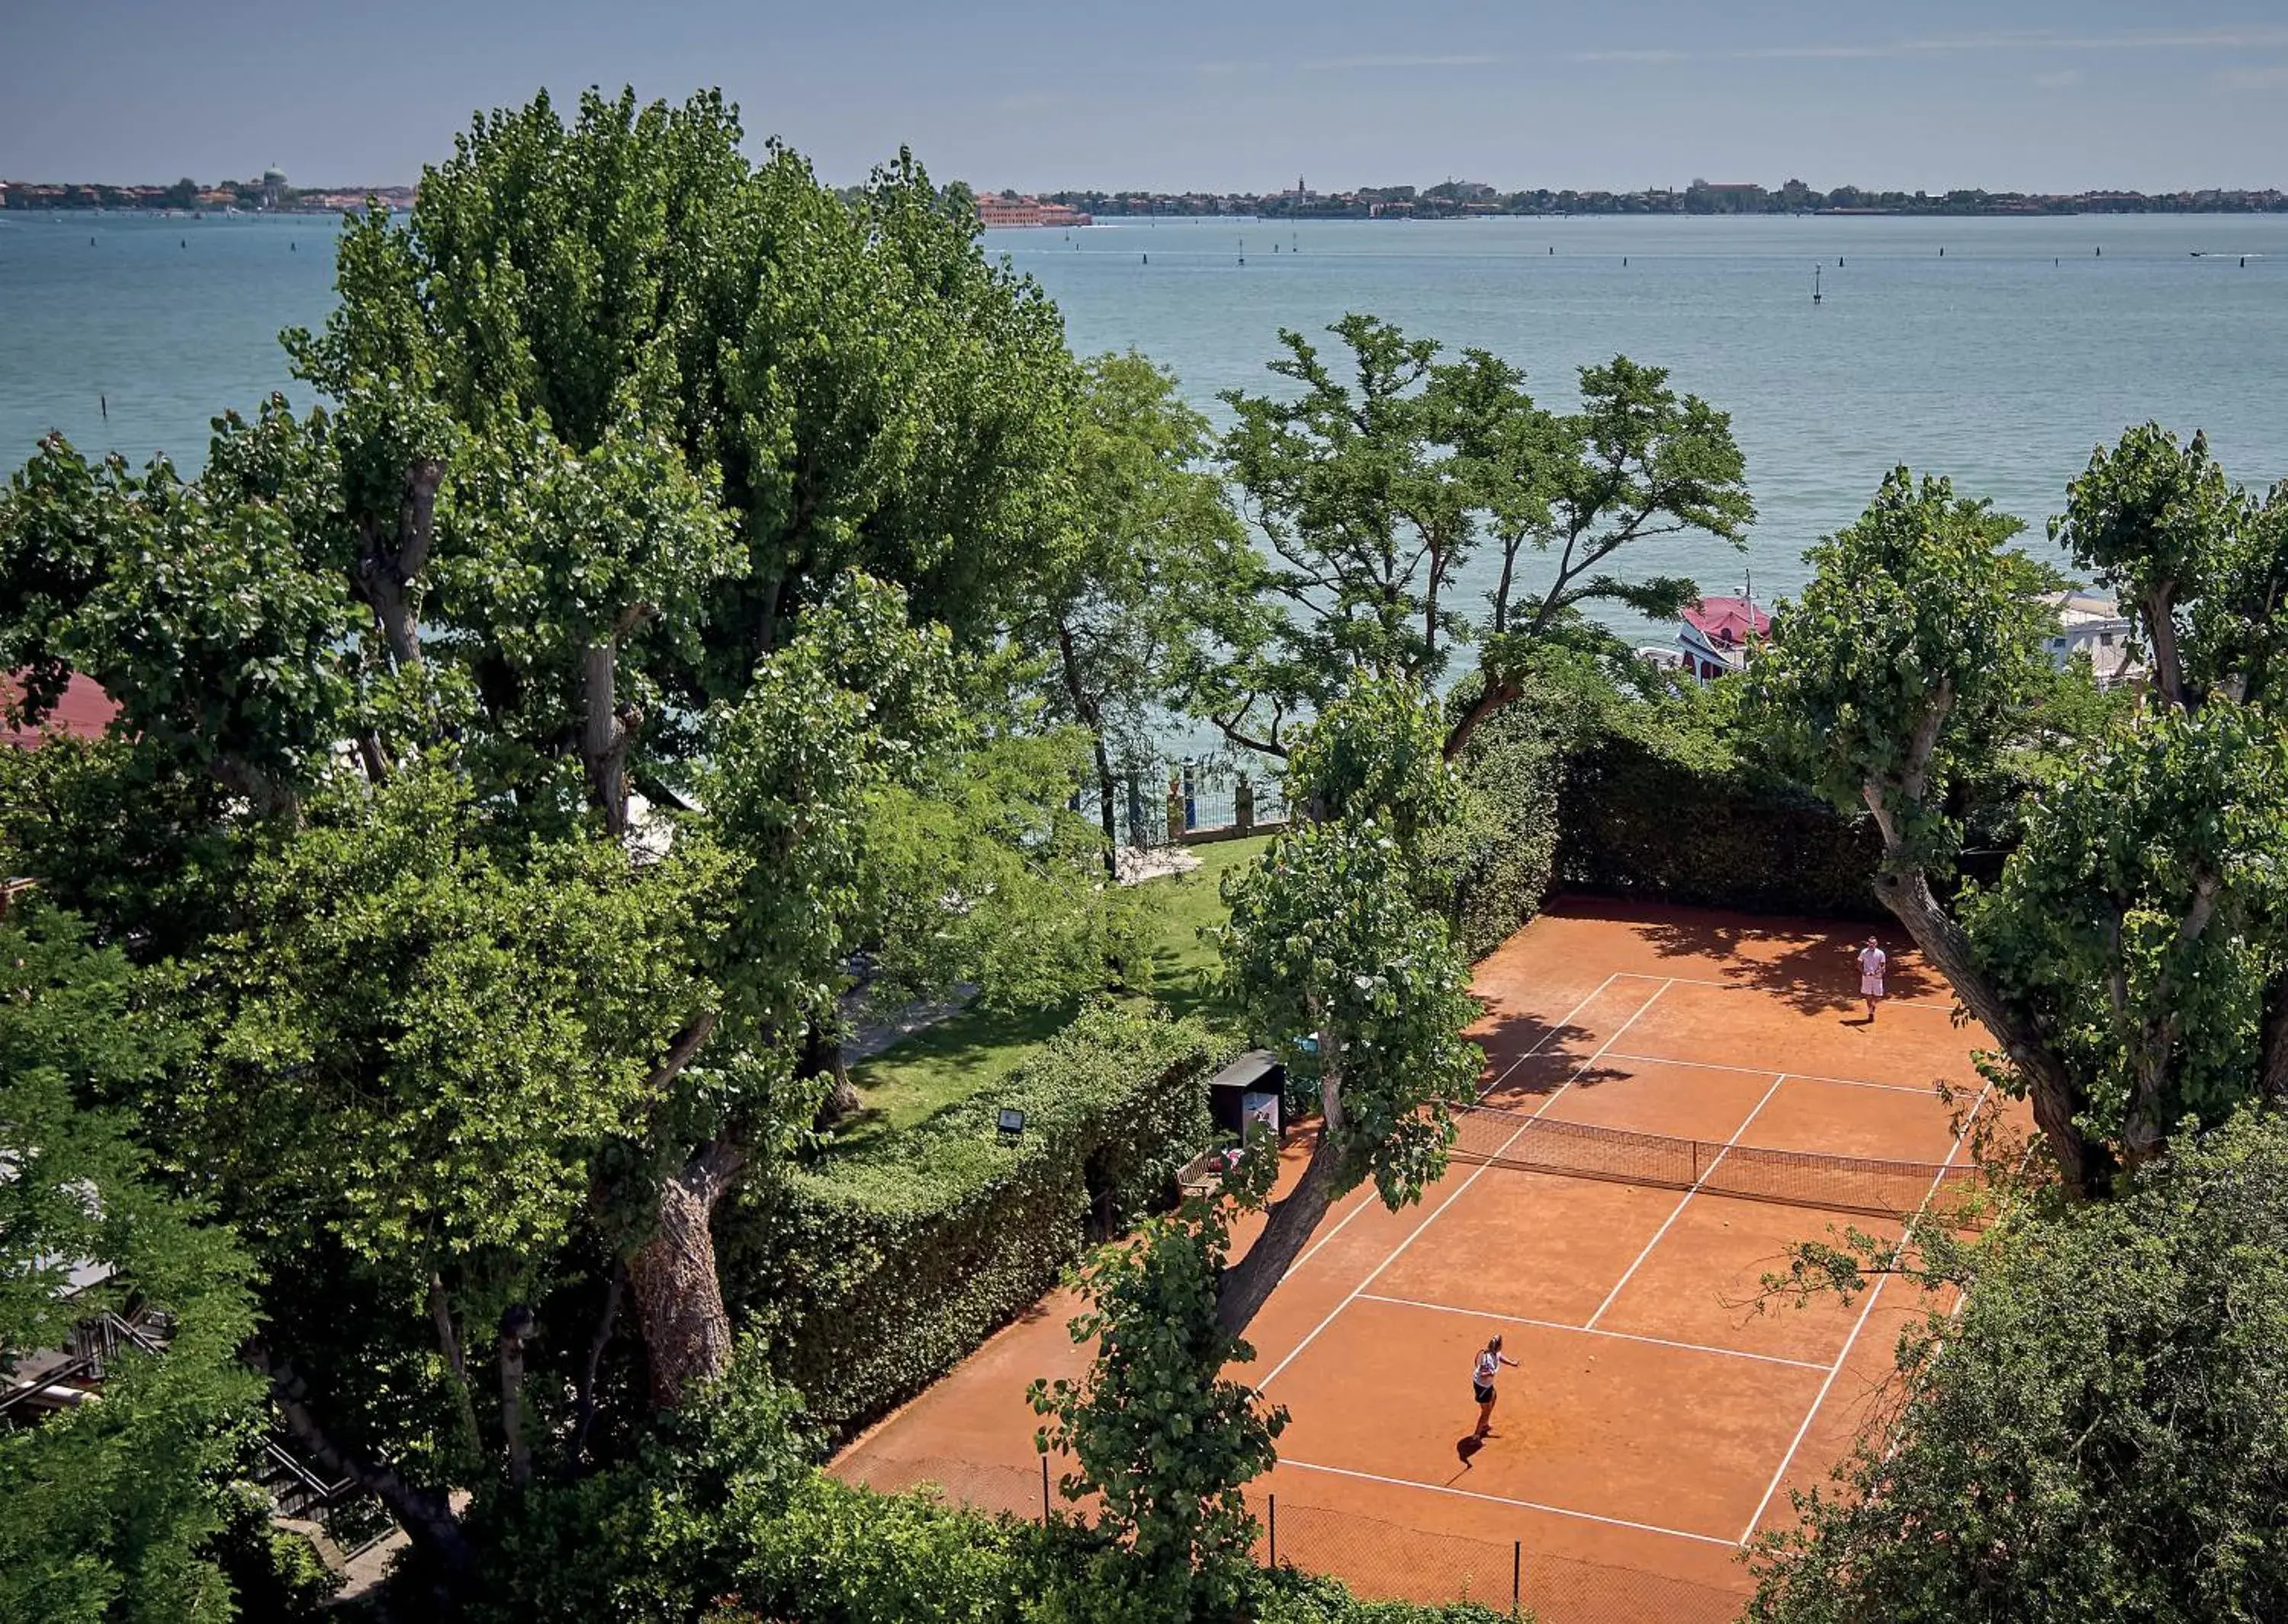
(1516, 1577)
(1044, 1491)
(1274, 1498)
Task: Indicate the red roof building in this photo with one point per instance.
(1716, 634)
(85, 711)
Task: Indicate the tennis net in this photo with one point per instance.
(1503, 1137)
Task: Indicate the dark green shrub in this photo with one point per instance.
(1499, 853)
(845, 1556)
(874, 1271)
(1644, 814)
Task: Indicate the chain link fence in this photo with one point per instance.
(1387, 1561)
(1379, 1560)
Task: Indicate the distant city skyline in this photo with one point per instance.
(2043, 96)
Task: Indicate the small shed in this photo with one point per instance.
(1251, 1089)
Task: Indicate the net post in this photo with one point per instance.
(1044, 1491)
(1516, 1577)
(1274, 1501)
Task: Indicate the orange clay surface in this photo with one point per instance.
(1657, 1420)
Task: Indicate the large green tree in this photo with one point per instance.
(542, 759)
(1150, 566)
(1334, 956)
(2131, 961)
(1162, 1435)
(2102, 1431)
(1380, 493)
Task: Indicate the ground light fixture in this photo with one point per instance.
(1012, 1124)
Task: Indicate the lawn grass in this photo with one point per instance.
(1184, 963)
(957, 1059)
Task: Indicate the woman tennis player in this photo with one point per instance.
(1490, 1361)
(1873, 963)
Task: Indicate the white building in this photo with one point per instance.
(2091, 623)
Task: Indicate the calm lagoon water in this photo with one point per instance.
(2000, 362)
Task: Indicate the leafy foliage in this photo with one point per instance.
(107, 1509)
(2129, 959)
(881, 1266)
(2141, 920)
(1326, 938)
(1903, 665)
(663, 1533)
(1149, 565)
(1376, 493)
(2102, 1433)
(1159, 1433)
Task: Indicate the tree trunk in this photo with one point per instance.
(388, 561)
(1106, 788)
(424, 1514)
(584, 1414)
(2082, 1164)
(457, 1365)
(2272, 1076)
(605, 731)
(1091, 715)
(822, 1057)
(1493, 693)
(2161, 631)
(516, 1324)
(687, 1329)
(1244, 1287)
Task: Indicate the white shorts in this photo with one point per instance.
(1870, 987)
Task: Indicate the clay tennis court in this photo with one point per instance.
(1658, 1419)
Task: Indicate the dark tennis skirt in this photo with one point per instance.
(1484, 1391)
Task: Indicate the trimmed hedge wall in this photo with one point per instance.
(875, 1271)
(1639, 817)
(1503, 853)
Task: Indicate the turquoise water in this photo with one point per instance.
(2000, 363)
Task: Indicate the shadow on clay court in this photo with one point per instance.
(1564, 1055)
(1513, 1043)
(1466, 1450)
(1812, 967)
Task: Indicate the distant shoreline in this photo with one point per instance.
(1669, 219)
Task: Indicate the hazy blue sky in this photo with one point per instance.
(1225, 94)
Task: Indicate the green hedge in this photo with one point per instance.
(1500, 857)
(875, 1271)
(1645, 815)
(845, 1556)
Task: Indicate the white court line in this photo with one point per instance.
(1742, 987)
(1687, 1201)
(1459, 1190)
(1562, 1023)
(1765, 1071)
(1586, 1330)
(1504, 1499)
(1860, 1325)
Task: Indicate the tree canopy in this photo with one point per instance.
(2129, 960)
(1378, 494)
(112, 1508)
(2099, 1433)
(519, 755)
